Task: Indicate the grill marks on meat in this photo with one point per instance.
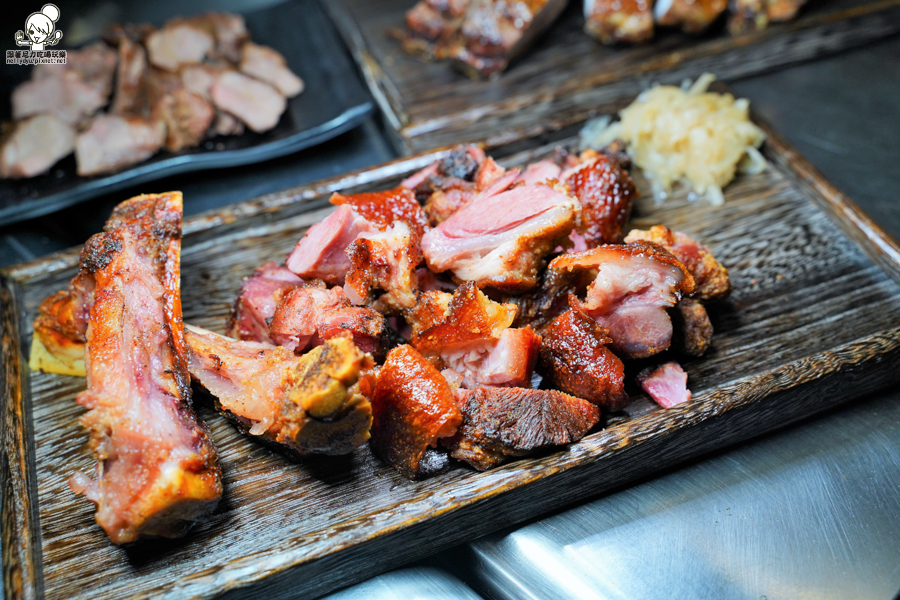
(501, 423)
(384, 261)
(575, 359)
(612, 21)
(309, 404)
(606, 193)
(113, 142)
(34, 145)
(156, 470)
(412, 407)
(666, 384)
(500, 239)
(255, 305)
(635, 283)
(320, 254)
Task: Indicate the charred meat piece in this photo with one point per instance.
(128, 98)
(310, 404)
(34, 145)
(269, 66)
(500, 423)
(432, 25)
(635, 283)
(747, 16)
(693, 329)
(382, 209)
(666, 384)
(187, 118)
(711, 280)
(68, 97)
(612, 21)
(384, 261)
(413, 407)
(94, 64)
(693, 16)
(138, 389)
(178, 43)
(321, 253)
(493, 33)
(112, 143)
(258, 105)
(606, 193)
(550, 299)
(500, 239)
(575, 359)
(255, 305)
(309, 314)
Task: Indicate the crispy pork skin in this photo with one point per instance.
(258, 105)
(606, 193)
(711, 280)
(384, 262)
(112, 143)
(666, 384)
(501, 423)
(311, 313)
(34, 145)
(321, 253)
(178, 43)
(269, 66)
(635, 283)
(309, 404)
(612, 21)
(501, 240)
(575, 359)
(693, 329)
(413, 407)
(382, 209)
(255, 305)
(157, 470)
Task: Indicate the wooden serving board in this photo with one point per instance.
(567, 74)
(814, 321)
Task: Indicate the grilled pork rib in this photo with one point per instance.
(157, 471)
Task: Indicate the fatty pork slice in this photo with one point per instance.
(157, 469)
(384, 261)
(501, 240)
(412, 408)
(310, 404)
(94, 64)
(34, 145)
(693, 16)
(469, 333)
(666, 384)
(310, 314)
(177, 44)
(612, 21)
(258, 105)
(502, 423)
(265, 64)
(575, 359)
(112, 143)
(634, 286)
(255, 305)
(321, 253)
(606, 192)
(67, 97)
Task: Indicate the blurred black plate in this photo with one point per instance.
(333, 101)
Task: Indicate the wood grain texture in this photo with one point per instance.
(568, 75)
(812, 322)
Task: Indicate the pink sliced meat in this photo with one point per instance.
(258, 105)
(69, 98)
(255, 305)
(539, 172)
(666, 384)
(94, 64)
(112, 143)
(321, 253)
(504, 362)
(228, 29)
(501, 240)
(178, 44)
(34, 145)
(269, 66)
(132, 68)
(634, 286)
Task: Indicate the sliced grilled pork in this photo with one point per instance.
(187, 118)
(112, 143)
(228, 29)
(321, 253)
(132, 68)
(94, 64)
(612, 21)
(386, 262)
(138, 390)
(178, 43)
(693, 16)
(501, 423)
(575, 359)
(635, 283)
(501, 240)
(68, 97)
(309, 404)
(606, 193)
(666, 384)
(269, 66)
(34, 145)
(258, 105)
(413, 407)
(309, 314)
(255, 305)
